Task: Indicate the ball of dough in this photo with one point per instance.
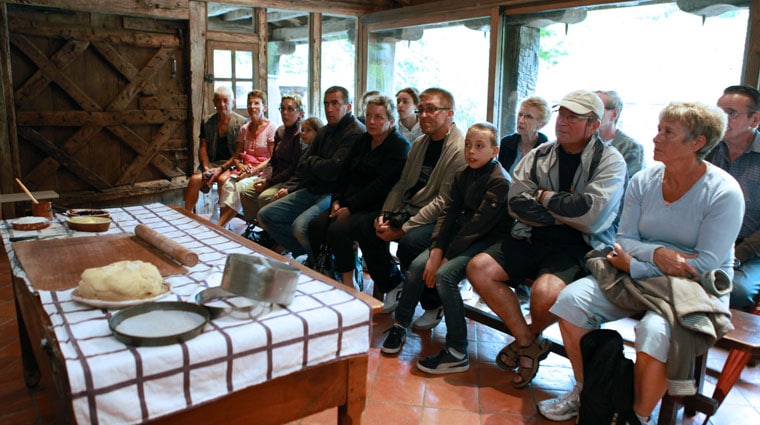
(120, 281)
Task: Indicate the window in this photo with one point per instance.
(339, 54)
(651, 55)
(288, 61)
(450, 55)
(234, 68)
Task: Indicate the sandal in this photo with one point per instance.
(508, 357)
(534, 353)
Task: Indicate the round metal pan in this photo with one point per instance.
(161, 323)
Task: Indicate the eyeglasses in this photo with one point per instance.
(430, 110)
(733, 114)
(528, 117)
(287, 109)
(571, 118)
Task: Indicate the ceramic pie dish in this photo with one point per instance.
(30, 223)
(87, 213)
(88, 224)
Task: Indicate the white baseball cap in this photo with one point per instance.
(582, 102)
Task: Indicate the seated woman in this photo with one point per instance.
(254, 147)
(290, 141)
(533, 115)
(374, 167)
(707, 205)
(407, 100)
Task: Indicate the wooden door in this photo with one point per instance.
(101, 102)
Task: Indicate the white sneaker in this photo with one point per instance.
(429, 319)
(561, 408)
(392, 298)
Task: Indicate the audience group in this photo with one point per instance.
(593, 231)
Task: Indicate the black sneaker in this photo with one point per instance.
(395, 340)
(442, 363)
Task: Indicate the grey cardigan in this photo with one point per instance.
(427, 203)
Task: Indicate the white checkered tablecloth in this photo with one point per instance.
(115, 383)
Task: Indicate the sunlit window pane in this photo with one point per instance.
(244, 64)
(339, 53)
(223, 63)
(422, 58)
(288, 60)
(644, 53)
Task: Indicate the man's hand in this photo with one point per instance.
(281, 193)
(384, 231)
(673, 263)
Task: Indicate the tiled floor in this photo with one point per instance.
(397, 393)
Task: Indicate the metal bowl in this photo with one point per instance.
(259, 278)
(160, 323)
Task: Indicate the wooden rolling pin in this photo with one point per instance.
(171, 248)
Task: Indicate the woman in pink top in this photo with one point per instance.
(254, 148)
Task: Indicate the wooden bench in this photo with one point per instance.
(743, 343)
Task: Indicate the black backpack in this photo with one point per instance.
(607, 395)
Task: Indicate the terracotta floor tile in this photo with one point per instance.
(431, 416)
(445, 395)
(403, 390)
(505, 419)
(391, 414)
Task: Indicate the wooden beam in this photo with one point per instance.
(262, 70)
(114, 37)
(315, 64)
(9, 161)
(100, 118)
(333, 7)
(751, 67)
(167, 9)
(197, 33)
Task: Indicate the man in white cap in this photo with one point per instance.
(566, 197)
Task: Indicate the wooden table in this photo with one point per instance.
(340, 382)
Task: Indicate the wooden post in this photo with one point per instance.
(197, 35)
(315, 64)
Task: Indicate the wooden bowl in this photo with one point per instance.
(88, 224)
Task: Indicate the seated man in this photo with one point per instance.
(565, 196)
(307, 193)
(632, 151)
(218, 140)
(419, 197)
(739, 154)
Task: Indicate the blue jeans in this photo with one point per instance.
(447, 280)
(746, 285)
(287, 219)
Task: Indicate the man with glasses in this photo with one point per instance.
(413, 205)
(307, 193)
(566, 196)
(632, 151)
(739, 154)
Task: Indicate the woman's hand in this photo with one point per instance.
(619, 258)
(434, 262)
(673, 263)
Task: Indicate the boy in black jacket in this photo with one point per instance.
(475, 218)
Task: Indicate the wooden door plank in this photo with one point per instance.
(143, 148)
(115, 59)
(51, 70)
(63, 158)
(151, 68)
(138, 165)
(115, 37)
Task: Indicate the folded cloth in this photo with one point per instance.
(166, 245)
(697, 312)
